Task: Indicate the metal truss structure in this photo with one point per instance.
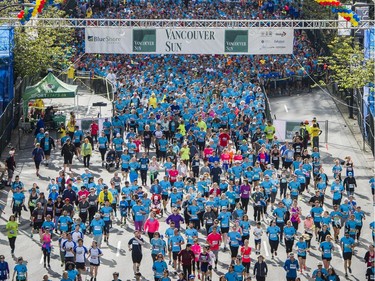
(175, 23)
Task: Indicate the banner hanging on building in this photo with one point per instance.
(255, 41)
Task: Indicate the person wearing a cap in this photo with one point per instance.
(20, 271)
(291, 266)
(260, 270)
(47, 143)
(323, 271)
(68, 207)
(83, 207)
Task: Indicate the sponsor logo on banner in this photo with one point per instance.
(144, 40)
(236, 41)
(106, 39)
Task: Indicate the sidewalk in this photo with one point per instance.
(356, 132)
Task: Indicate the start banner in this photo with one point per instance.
(253, 41)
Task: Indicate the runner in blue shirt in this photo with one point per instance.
(326, 248)
(20, 270)
(106, 212)
(234, 242)
(175, 243)
(159, 267)
(117, 145)
(77, 139)
(239, 268)
(359, 216)
(302, 252)
(289, 232)
(294, 187)
(273, 232)
(316, 212)
(224, 218)
(323, 273)
(279, 213)
(336, 222)
(97, 225)
(337, 190)
(291, 267)
(372, 227)
(351, 226)
(347, 246)
(231, 275)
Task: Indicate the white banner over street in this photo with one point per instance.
(255, 41)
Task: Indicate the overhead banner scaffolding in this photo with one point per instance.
(253, 41)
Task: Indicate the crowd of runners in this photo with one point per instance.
(189, 150)
(226, 180)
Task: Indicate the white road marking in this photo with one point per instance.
(41, 259)
(118, 248)
(286, 108)
(266, 248)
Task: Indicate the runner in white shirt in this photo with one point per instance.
(94, 257)
(77, 234)
(68, 246)
(62, 239)
(258, 232)
(80, 252)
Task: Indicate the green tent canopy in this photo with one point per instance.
(48, 88)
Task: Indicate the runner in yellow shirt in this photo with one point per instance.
(269, 131)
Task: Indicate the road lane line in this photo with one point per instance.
(286, 108)
(266, 249)
(118, 248)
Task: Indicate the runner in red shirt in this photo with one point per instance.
(94, 129)
(224, 138)
(173, 173)
(214, 240)
(245, 253)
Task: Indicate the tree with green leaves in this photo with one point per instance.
(38, 49)
(348, 67)
(347, 64)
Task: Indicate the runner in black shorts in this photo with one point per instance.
(135, 246)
